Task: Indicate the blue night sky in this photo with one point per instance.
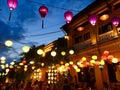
(25, 26)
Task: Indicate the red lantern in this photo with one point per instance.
(115, 21)
(24, 61)
(68, 16)
(12, 4)
(43, 10)
(93, 19)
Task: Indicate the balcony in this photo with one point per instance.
(82, 45)
(105, 37)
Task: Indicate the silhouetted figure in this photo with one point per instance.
(28, 87)
(66, 86)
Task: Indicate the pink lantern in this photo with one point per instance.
(87, 63)
(43, 10)
(110, 57)
(68, 16)
(115, 21)
(12, 4)
(106, 53)
(104, 57)
(93, 19)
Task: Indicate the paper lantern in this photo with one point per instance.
(106, 53)
(114, 60)
(68, 16)
(12, 4)
(115, 21)
(92, 19)
(43, 10)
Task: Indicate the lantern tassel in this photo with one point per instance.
(10, 15)
(42, 23)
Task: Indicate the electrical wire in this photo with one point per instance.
(43, 34)
(52, 6)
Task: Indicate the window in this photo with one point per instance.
(106, 28)
(86, 36)
(78, 39)
(117, 6)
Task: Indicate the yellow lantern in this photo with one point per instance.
(67, 64)
(71, 62)
(92, 61)
(33, 67)
(102, 62)
(26, 49)
(39, 51)
(78, 70)
(42, 64)
(94, 57)
(3, 61)
(7, 70)
(75, 66)
(84, 59)
(21, 64)
(32, 62)
(25, 69)
(66, 37)
(63, 53)
(12, 63)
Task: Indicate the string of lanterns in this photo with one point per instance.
(43, 10)
(93, 19)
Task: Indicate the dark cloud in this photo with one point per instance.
(27, 11)
(10, 32)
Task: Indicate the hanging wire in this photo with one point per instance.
(43, 34)
(52, 6)
(15, 50)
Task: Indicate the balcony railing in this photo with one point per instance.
(102, 38)
(106, 37)
(82, 45)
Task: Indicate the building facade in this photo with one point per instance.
(101, 39)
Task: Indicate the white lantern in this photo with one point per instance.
(8, 43)
(53, 53)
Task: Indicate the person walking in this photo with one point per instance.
(66, 85)
(28, 87)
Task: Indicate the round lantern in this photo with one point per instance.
(68, 16)
(53, 53)
(115, 21)
(39, 51)
(8, 43)
(12, 4)
(110, 57)
(114, 60)
(71, 52)
(43, 10)
(93, 19)
(106, 53)
(26, 49)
